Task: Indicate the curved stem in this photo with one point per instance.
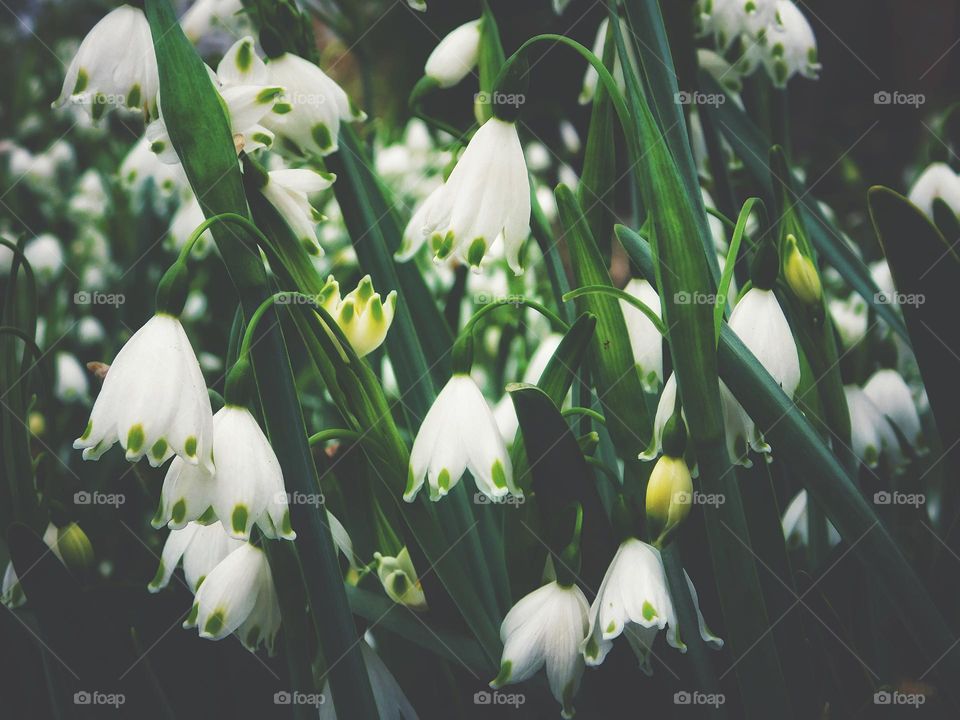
(554, 319)
(620, 295)
(234, 218)
(584, 411)
(335, 434)
(727, 276)
(721, 217)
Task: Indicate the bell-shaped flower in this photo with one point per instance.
(937, 181)
(486, 196)
(391, 702)
(45, 255)
(288, 191)
(546, 629)
(400, 580)
(185, 220)
(890, 394)
(590, 77)
(362, 316)
(455, 56)
(307, 122)
(786, 47)
(871, 432)
(796, 524)
(153, 401)
(115, 66)
(201, 547)
(204, 16)
(460, 433)
(238, 595)
(634, 598)
(11, 592)
(759, 322)
(72, 383)
(142, 164)
(850, 318)
(727, 20)
(645, 340)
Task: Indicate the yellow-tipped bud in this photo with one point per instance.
(669, 495)
(400, 580)
(362, 315)
(801, 274)
(75, 548)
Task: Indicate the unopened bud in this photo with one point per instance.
(75, 549)
(801, 274)
(669, 495)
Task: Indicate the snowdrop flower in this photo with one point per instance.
(287, 191)
(645, 339)
(71, 378)
(937, 181)
(90, 331)
(889, 393)
(153, 400)
(871, 432)
(796, 525)
(238, 595)
(400, 580)
(142, 164)
(486, 196)
(90, 199)
(204, 16)
(546, 628)
(45, 255)
(634, 598)
(362, 316)
(455, 56)
(185, 220)
(883, 278)
(388, 696)
(590, 77)
(760, 323)
(787, 47)
(246, 487)
(850, 319)
(312, 108)
(460, 433)
(114, 66)
(201, 547)
(727, 20)
(537, 157)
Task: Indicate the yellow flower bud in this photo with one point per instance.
(669, 495)
(75, 548)
(801, 274)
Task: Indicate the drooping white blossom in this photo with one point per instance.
(455, 56)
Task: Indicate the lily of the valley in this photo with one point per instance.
(201, 547)
(153, 401)
(288, 191)
(115, 66)
(486, 196)
(455, 56)
(546, 629)
(238, 596)
(460, 433)
(361, 314)
(634, 599)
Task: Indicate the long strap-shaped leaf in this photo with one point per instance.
(200, 132)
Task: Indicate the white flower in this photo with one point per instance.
(937, 181)
(114, 66)
(153, 400)
(238, 596)
(308, 121)
(590, 77)
(11, 592)
(89, 200)
(883, 278)
(760, 323)
(645, 340)
(546, 628)
(849, 318)
(892, 397)
(287, 191)
(90, 330)
(487, 195)
(871, 433)
(727, 20)
(201, 547)
(206, 15)
(723, 72)
(400, 581)
(186, 219)
(460, 433)
(71, 378)
(455, 56)
(634, 597)
(45, 255)
(796, 524)
(418, 5)
(142, 164)
(388, 696)
(787, 47)
(362, 316)
(246, 487)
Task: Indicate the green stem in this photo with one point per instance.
(335, 434)
(584, 411)
(554, 319)
(228, 217)
(620, 295)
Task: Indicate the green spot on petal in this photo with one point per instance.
(157, 146)
(399, 584)
(179, 511)
(477, 249)
(506, 669)
(87, 430)
(133, 97)
(282, 108)
(498, 475)
(215, 622)
(611, 627)
(445, 246)
(253, 636)
(158, 578)
(159, 449)
(443, 480)
(194, 612)
(239, 519)
(649, 612)
(262, 138)
(244, 57)
(286, 527)
(208, 516)
(322, 137)
(190, 446)
(268, 94)
(82, 80)
(135, 438)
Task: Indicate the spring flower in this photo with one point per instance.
(90, 331)
(418, 5)
(400, 580)
(546, 628)
(154, 400)
(891, 396)
(287, 191)
(645, 339)
(634, 598)
(487, 195)
(205, 15)
(727, 20)
(760, 323)
(723, 72)
(460, 433)
(142, 164)
(871, 433)
(89, 201)
(45, 255)
(185, 220)
(238, 595)
(114, 66)
(801, 275)
(201, 547)
(796, 524)
(391, 702)
(71, 378)
(850, 318)
(786, 47)
(362, 316)
(590, 77)
(937, 181)
(669, 494)
(313, 106)
(455, 56)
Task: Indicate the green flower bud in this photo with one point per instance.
(75, 549)
(669, 495)
(801, 274)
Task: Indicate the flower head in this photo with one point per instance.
(871, 433)
(546, 628)
(760, 323)
(460, 433)
(891, 395)
(645, 340)
(455, 56)
(201, 547)
(288, 191)
(400, 581)
(938, 181)
(787, 46)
